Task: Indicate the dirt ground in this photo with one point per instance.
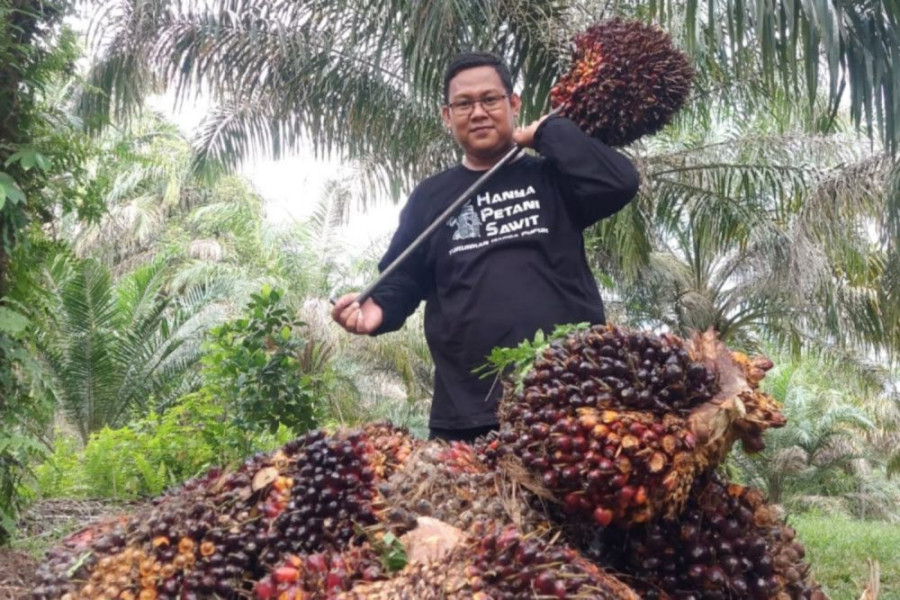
(16, 572)
(41, 527)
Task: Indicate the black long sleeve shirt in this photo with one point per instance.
(511, 262)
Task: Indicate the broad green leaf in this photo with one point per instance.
(12, 322)
(28, 159)
(9, 189)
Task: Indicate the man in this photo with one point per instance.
(512, 261)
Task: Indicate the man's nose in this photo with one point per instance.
(479, 110)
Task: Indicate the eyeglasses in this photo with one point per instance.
(464, 108)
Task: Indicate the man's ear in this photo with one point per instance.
(445, 117)
(515, 103)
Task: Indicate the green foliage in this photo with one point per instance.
(22, 415)
(42, 175)
(43, 154)
(821, 457)
(517, 361)
(838, 549)
(148, 456)
(264, 370)
(114, 348)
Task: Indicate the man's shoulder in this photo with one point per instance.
(434, 186)
(440, 179)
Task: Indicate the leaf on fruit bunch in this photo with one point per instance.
(514, 363)
(393, 553)
(264, 477)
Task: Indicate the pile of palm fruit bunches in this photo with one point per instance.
(601, 483)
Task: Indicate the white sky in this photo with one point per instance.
(293, 186)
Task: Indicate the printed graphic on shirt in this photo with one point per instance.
(467, 224)
(504, 215)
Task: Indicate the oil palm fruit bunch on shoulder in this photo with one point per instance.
(626, 80)
(728, 543)
(220, 533)
(617, 423)
(498, 563)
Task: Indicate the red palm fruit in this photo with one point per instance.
(625, 495)
(285, 574)
(264, 589)
(603, 516)
(316, 563)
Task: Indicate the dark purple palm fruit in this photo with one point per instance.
(728, 543)
(626, 80)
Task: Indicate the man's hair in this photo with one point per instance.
(470, 60)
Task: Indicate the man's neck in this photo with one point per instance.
(480, 164)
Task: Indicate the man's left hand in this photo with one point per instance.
(524, 136)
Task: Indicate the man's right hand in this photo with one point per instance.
(355, 318)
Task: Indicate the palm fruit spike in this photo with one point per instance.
(452, 484)
(728, 543)
(221, 532)
(499, 563)
(626, 80)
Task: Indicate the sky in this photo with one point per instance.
(292, 187)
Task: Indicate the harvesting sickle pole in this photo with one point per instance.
(448, 212)
(626, 80)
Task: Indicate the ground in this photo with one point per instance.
(42, 526)
(16, 570)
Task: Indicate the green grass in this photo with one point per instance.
(838, 548)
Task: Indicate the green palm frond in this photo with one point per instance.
(122, 33)
(114, 348)
(788, 42)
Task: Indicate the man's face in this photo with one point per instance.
(483, 134)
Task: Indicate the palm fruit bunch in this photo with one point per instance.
(453, 484)
(626, 80)
(616, 423)
(497, 563)
(222, 532)
(728, 543)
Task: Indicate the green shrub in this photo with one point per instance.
(23, 414)
(265, 371)
(148, 456)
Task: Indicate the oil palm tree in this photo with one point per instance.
(362, 79)
(114, 348)
(750, 225)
